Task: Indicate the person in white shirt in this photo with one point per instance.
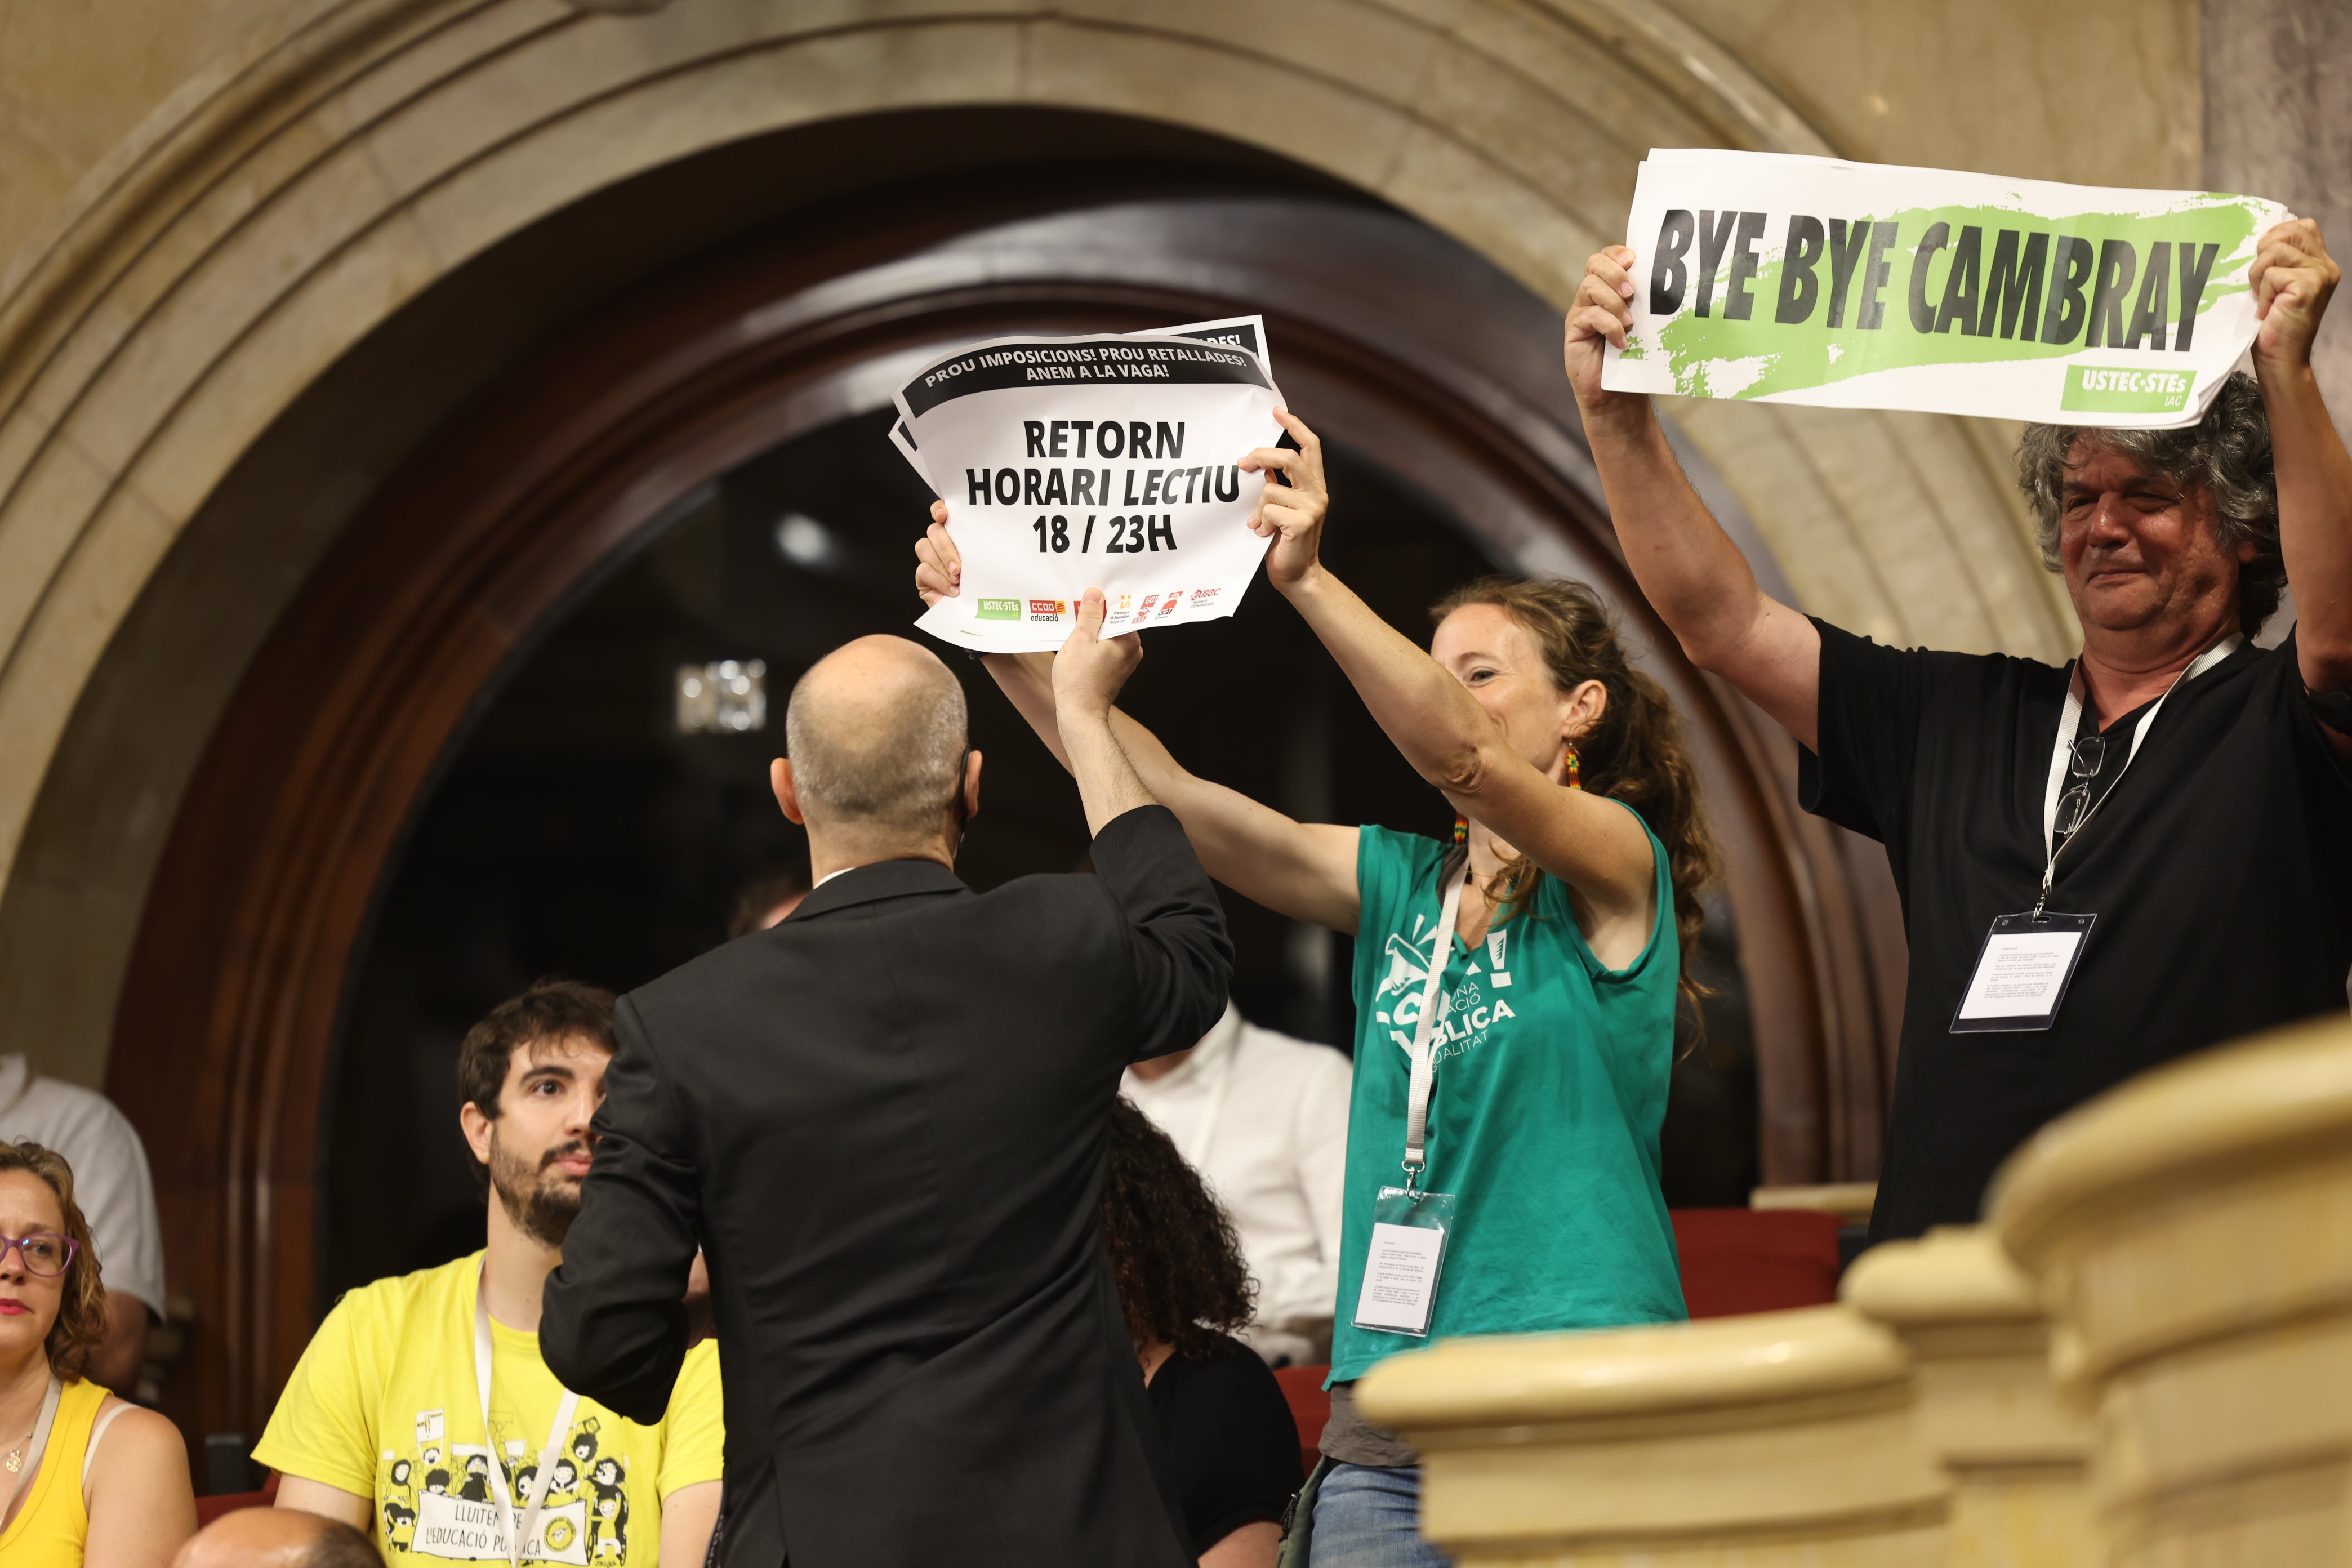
(116, 1194)
(1265, 1117)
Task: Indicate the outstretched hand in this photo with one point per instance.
(1292, 514)
(2293, 278)
(1090, 669)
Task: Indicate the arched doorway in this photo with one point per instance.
(1403, 344)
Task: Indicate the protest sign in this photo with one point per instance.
(1108, 462)
(1798, 280)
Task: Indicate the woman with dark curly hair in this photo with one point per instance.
(1231, 1445)
(84, 1477)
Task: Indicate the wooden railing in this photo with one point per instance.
(2143, 1359)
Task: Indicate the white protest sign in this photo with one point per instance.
(1110, 462)
(1797, 280)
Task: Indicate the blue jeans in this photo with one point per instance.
(1369, 1517)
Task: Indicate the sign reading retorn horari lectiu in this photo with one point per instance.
(1110, 462)
(1798, 280)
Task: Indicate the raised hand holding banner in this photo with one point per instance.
(1799, 279)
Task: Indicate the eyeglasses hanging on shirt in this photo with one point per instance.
(2096, 763)
(2087, 755)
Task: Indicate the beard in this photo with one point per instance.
(542, 1203)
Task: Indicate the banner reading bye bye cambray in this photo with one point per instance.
(1798, 280)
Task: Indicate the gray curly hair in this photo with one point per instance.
(2227, 452)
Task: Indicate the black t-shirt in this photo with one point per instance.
(1230, 1444)
(2220, 869)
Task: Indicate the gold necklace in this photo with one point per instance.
(15, 1459)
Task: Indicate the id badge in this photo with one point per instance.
(2023, 973)
(1410, 1230)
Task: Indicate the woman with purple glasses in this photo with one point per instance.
(85, 1477)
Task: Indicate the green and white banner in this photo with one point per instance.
(1796, 279)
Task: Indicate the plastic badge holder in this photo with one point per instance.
(1410, 1230)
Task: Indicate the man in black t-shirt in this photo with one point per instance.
(2177, 798)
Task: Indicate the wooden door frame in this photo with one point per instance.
(232, 1008)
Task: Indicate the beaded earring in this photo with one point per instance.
(1460, 830)
(1575, 768)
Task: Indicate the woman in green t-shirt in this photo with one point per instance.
(1548, 1027)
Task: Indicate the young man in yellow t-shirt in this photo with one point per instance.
(382, 1425)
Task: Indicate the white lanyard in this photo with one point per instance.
(1432, 998)
(520, 1533)
(2069, 718)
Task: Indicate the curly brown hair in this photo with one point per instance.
(1637, 753)
(1179, 1266)
(80, 1327)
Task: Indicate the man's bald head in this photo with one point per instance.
(277, 1538)
(876, 733)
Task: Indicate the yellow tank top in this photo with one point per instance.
(49, 1531)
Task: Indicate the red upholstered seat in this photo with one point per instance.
(209, 1509)
(1755, 1260)
(1310, 1406)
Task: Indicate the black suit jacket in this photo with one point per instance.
(884, 1120)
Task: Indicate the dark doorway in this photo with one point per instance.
(578, 831)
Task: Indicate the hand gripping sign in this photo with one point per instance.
(1798, 280)
(1108, 462)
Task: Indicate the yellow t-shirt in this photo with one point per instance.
(383, 1404)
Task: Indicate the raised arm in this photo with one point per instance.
(1689, 570)
(1182, 960)
(1305, 870)
(612, 1321)
(2294, 278)
(1087, 673)
(1593, 845)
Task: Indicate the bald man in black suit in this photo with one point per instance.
(883, 1121)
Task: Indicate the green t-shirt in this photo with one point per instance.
(1549, 1088)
